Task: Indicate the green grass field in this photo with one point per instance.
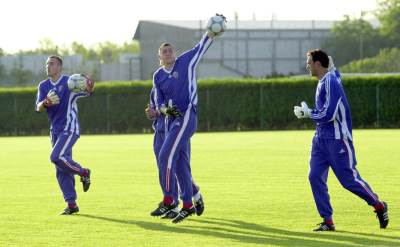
(255, 186)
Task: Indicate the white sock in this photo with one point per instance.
(197, 196)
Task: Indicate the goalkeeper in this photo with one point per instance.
(176, 96)
(55, 97)
(183, 159)
(332, 145)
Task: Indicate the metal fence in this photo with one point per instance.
(221, 108)
(29, 70)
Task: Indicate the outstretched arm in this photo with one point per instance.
(210, 34)
(333, 69)
(216, 26)
(200, 49)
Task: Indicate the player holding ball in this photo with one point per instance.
(58, 95)
(175, 92)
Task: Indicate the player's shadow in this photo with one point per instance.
(252, 233)
(354, 238)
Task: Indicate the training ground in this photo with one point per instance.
(255, 186)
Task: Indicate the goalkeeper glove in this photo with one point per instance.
(170, 111)
(89, 84)
(331, 66)
(302, 111)
(151, 113)
(222, 16)
(51, 99)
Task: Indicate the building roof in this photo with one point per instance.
(249, 24)
(243, 24)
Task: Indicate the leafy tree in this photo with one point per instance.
(388, 14)
(386, 61)
(47, 46)
(130, 47)
(105, 52)
(2, 70)
(87, 53)
(19, 75)
(353, 39)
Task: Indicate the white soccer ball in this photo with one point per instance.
(217, 25)
(77, 83)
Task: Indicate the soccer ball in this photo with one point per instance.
(77, 83)
(217, 24)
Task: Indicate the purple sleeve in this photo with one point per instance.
(152, 100)
(332, 99)
(196, 53)
(40, 96)
(158, 95)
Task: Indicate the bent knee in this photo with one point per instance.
(55, 158)
(348, 184)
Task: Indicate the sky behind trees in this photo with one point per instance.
(24, 23)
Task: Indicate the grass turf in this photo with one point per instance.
(254, 184)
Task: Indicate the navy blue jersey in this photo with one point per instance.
(179, 84)
(159, 122)
(63, 116)
(332, 111)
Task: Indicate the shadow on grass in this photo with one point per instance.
(376, 235)
(252, 233)
(341, 237)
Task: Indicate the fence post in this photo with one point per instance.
(208, 108)
(261, 108)
(377, 106)
(108, 112)
(15, 115)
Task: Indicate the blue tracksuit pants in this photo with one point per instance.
(184, 158)
(66, 168)
(174, 156)
(340, 156)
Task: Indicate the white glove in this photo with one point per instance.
(302, 111)
(51, 99)
(331, 66)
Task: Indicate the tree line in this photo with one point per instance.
(105, 52)
(358, 46)
(355, 43)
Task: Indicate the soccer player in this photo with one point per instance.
(332, 145)
(183, 159)
(176, 93)
(60, 103)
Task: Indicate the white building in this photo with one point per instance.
(248, 48)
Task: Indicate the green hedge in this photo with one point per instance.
(229, 104)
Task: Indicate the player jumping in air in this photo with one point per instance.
(175, 89)
(332, 145)
(183, 159)
(55, 97)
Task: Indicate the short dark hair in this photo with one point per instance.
(320, 56)
(58, 58)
